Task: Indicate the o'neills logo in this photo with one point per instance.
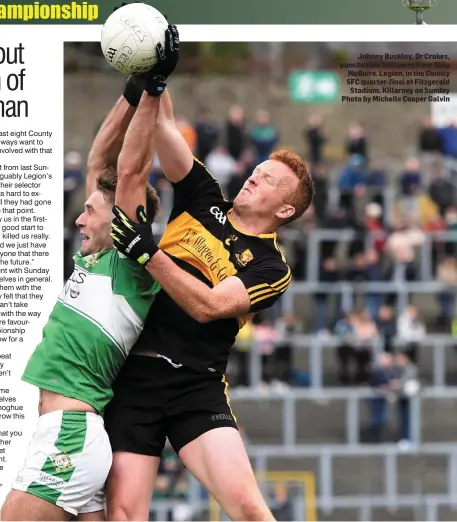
(198, 246)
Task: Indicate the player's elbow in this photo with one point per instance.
(207, 312)
(126, 170)
(203, 315)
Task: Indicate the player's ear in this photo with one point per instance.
(285, 212)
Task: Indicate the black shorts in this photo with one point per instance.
(154, 400)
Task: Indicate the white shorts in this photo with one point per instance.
(68, 461)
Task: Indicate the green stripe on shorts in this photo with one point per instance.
(44, 492)
(70, 441)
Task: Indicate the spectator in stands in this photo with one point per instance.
(377, 181)
(380, 380)
(264, 135)
(400, 246)
(430, 140)
(374, 226)
(315, 138)
(406, 385)
(365, 335)
(350, 179)
(286, 327)
(411, 332)
(353, 174)
(222, 166)
(235, 132)
(418, 208)
(434, 225)
(345, 351)
(447, 275)
(207, 133)
(449, 139)
(411, 178)
(329, 273)
(377, 177)
(357, 141)
(357, 333)
(356, 270)
(387, 327)
(441, 190)
(265, 337)
(373, 270)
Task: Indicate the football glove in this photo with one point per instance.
(135, 240)
(154, 82)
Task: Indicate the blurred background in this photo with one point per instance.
(346, 389)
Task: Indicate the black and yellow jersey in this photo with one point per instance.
(201, 238)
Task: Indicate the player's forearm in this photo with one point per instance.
(193, 296)
(166, 109)
(137, 152)
(174, 154)
(108, 142)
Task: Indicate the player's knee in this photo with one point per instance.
(118, 512)
(249, 508)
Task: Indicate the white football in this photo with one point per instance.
(130, 35)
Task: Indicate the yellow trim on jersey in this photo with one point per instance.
(277, 290)
(270, 292)
(261, 236)
(273, 285)
(279, 250)
(224, 381)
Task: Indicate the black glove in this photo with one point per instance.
(167, 60)
(135, 240)
(133, 90)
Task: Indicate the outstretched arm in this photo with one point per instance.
(108, 142)
(137, 156)
(176, 158)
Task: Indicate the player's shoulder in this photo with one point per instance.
(263, 252)
(198, 171)
(197, 192)
(268, 248)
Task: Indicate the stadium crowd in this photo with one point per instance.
(386, 237)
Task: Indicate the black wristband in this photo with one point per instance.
(133, 91)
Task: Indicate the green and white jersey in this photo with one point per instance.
(97, 319)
